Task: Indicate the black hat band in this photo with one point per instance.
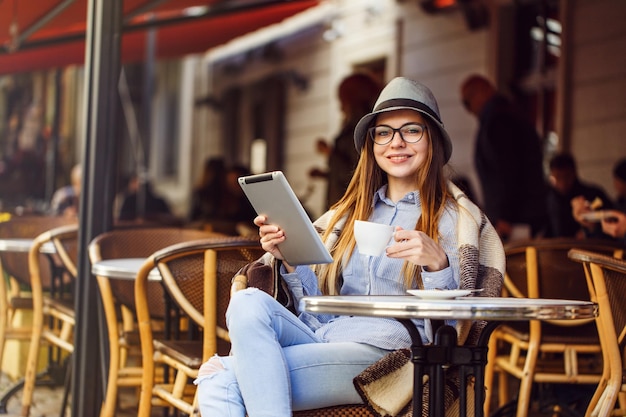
(406, 102)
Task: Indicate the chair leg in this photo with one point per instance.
(526, 382)
(3, 329)
(489, 374)
(5, 312)
(67, 384)
(147, 384)
(503, 388)
(32, 361)
(110, 401)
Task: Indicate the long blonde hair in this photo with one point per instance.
(356, 204)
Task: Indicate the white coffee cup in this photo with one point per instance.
(372, 238)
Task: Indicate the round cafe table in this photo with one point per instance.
(23, 245)
(434, 359)
(122, 268)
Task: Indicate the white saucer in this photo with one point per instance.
(594, 216)
(439, 294)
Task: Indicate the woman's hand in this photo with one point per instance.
(271, 235)
(418, 248)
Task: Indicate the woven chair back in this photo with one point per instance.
(557, 275)
(141, 242)
(541, 268)
(186, 265)
(15, 264)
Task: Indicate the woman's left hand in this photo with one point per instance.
(418, 248)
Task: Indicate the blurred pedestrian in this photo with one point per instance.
(508, 160)
(357, 94)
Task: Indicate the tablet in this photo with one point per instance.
(271, 195)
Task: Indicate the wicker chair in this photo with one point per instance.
(54, 315)
(546, 351)
(197, 275)
(606, 277)
(118, 299)
(15, 292)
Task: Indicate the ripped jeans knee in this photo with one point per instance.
(210, 368)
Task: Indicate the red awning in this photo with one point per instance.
(53, 31)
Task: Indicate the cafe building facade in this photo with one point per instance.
(263, 99)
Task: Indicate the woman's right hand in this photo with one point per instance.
(271, 235)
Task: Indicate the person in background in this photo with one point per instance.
(508, 160)
(65, 201)
(281, 362)
(142, 203)
(565, 186)
(357, 94)
(234, 214)
(614, 225)
(206, 196)
(613, 222)
(619, 183)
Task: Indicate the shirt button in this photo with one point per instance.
(410, 196)
(427, 279)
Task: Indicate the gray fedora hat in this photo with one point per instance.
(402, 94)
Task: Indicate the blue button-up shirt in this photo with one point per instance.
(380, 275)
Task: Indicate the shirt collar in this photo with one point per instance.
(381, 196)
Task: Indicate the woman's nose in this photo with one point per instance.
(397, 140)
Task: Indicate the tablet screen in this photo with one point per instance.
(271, 195)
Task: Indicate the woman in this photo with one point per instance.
(281, 362)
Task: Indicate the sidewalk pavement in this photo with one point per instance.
(48, 400)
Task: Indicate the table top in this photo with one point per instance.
(463, 308)
(23, 245)
(123, 268)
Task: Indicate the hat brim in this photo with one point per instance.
(360, 131)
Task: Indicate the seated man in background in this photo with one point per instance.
(614, 222)
(141, 203)
(619, 182)
(65, 200)
(565, 188)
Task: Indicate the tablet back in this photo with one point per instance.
(271, 195)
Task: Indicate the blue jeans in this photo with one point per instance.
(278, 364)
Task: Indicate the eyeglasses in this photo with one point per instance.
(409, 132)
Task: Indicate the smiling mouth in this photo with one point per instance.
(398, 158)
